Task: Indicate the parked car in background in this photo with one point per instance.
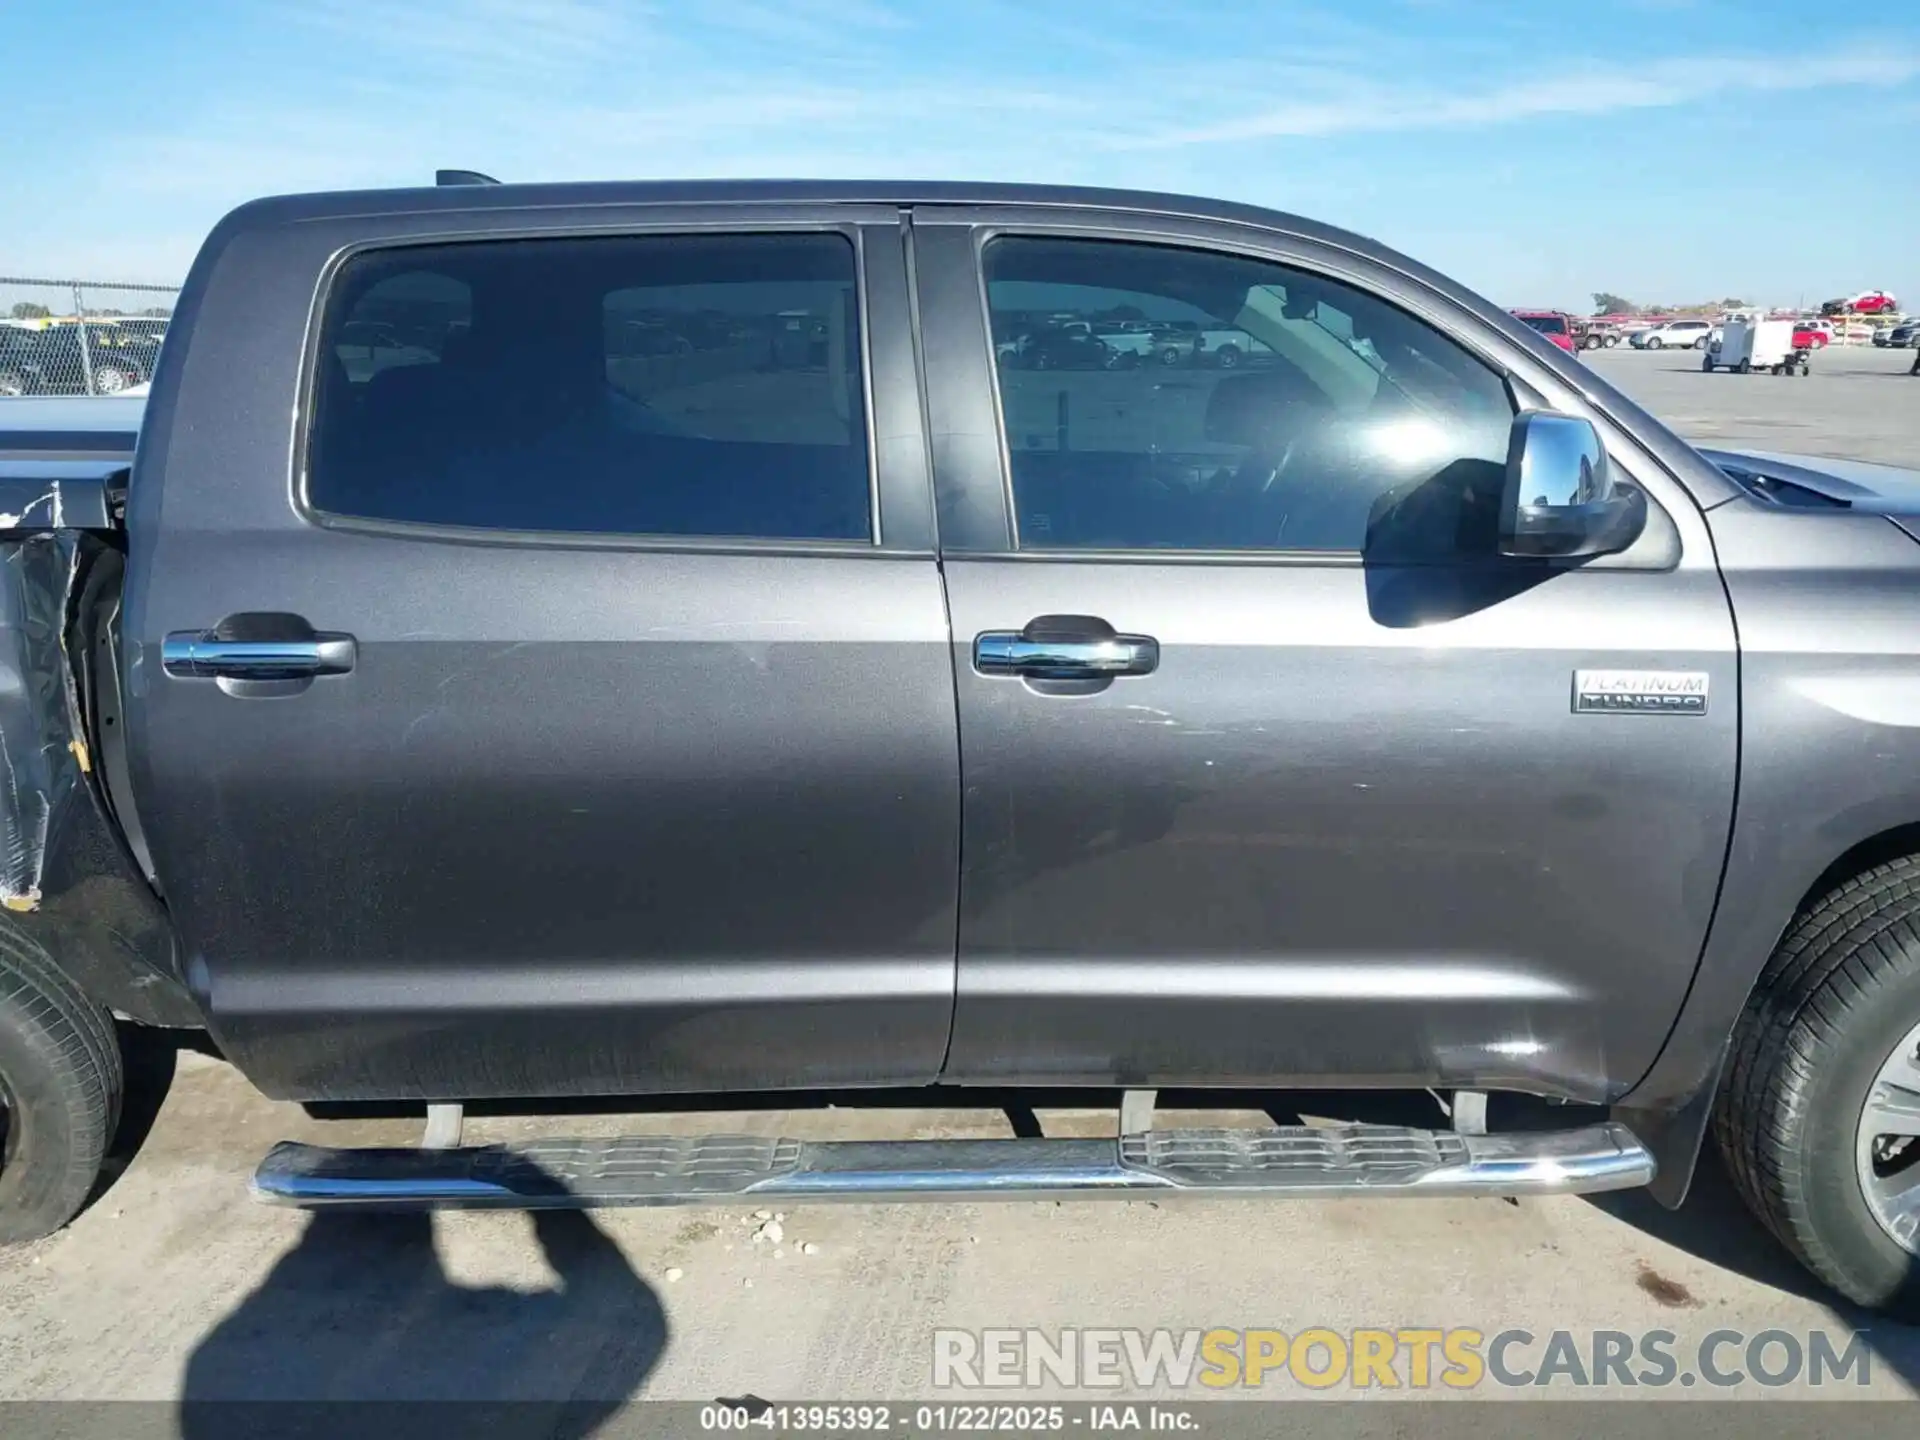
(19, 360)
(1675, 335)
(1905, 335)
(1867, 302)
(1556, 325)
(1811, 335)
(1598, 334)
(1066, 349)
(60, 358)
(150, 327)
(1228, 348)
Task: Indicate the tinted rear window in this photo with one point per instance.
(1546, 324)
(665, 385)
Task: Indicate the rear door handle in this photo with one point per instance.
(242, 647)
(1065, 647)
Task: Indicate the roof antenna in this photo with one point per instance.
(462, 177)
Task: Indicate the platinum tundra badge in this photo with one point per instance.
(1640, 692)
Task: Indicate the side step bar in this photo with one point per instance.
(1297, 1161)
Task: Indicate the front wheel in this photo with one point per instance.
(1653, 343)
(1819, 1117)
(1701, 343)
(60, 1081)
(1707, 364)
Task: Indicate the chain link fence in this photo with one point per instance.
(80, 337)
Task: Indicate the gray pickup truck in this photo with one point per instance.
(542, 642)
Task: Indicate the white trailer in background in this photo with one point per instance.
(1753, 344)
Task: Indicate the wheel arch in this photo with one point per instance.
(1672, 1120)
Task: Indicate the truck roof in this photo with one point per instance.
(693, 192)
(442, 199)
(342, 207)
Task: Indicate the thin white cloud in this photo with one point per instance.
(1368, 106)
(357, 93)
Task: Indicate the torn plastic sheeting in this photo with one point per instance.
(39, 763)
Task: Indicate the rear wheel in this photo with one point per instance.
(60, 1080)
(1701, 343)
(1819, 1118)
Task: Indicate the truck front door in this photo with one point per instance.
(578, 716)
(1326, 808)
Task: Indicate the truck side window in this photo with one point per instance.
(1158, 398)
(652, 385)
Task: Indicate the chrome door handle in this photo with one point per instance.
(1050, 649)
(201, 655)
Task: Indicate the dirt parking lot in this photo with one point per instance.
(1858, 404)
(175, 1284)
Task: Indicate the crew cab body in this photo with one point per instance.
(537, 718)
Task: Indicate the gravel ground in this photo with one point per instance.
(175, 1284)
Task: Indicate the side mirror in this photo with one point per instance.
(1560, 499)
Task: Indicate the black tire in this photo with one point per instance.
(1707, 364)
(1227, 356)
(1652, 343)
(60, 1082)
(110, 378)
(1743, 367)
(1839, 994)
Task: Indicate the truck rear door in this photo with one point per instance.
(563, 703)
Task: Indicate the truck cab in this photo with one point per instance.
(827, 694)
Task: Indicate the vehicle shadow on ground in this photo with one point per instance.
(362, 1310)
(1716, 1226)
(149, 1057)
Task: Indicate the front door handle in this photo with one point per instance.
(1065, 647)
(257, 647)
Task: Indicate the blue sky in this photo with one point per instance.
(1537, 149)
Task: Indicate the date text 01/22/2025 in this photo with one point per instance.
(960, 1419)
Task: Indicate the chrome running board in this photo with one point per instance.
(1292, 1162)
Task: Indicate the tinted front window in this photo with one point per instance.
(669, 385)
(1260, 408)
(1546, 324)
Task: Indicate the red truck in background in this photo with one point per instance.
(1556, 325)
